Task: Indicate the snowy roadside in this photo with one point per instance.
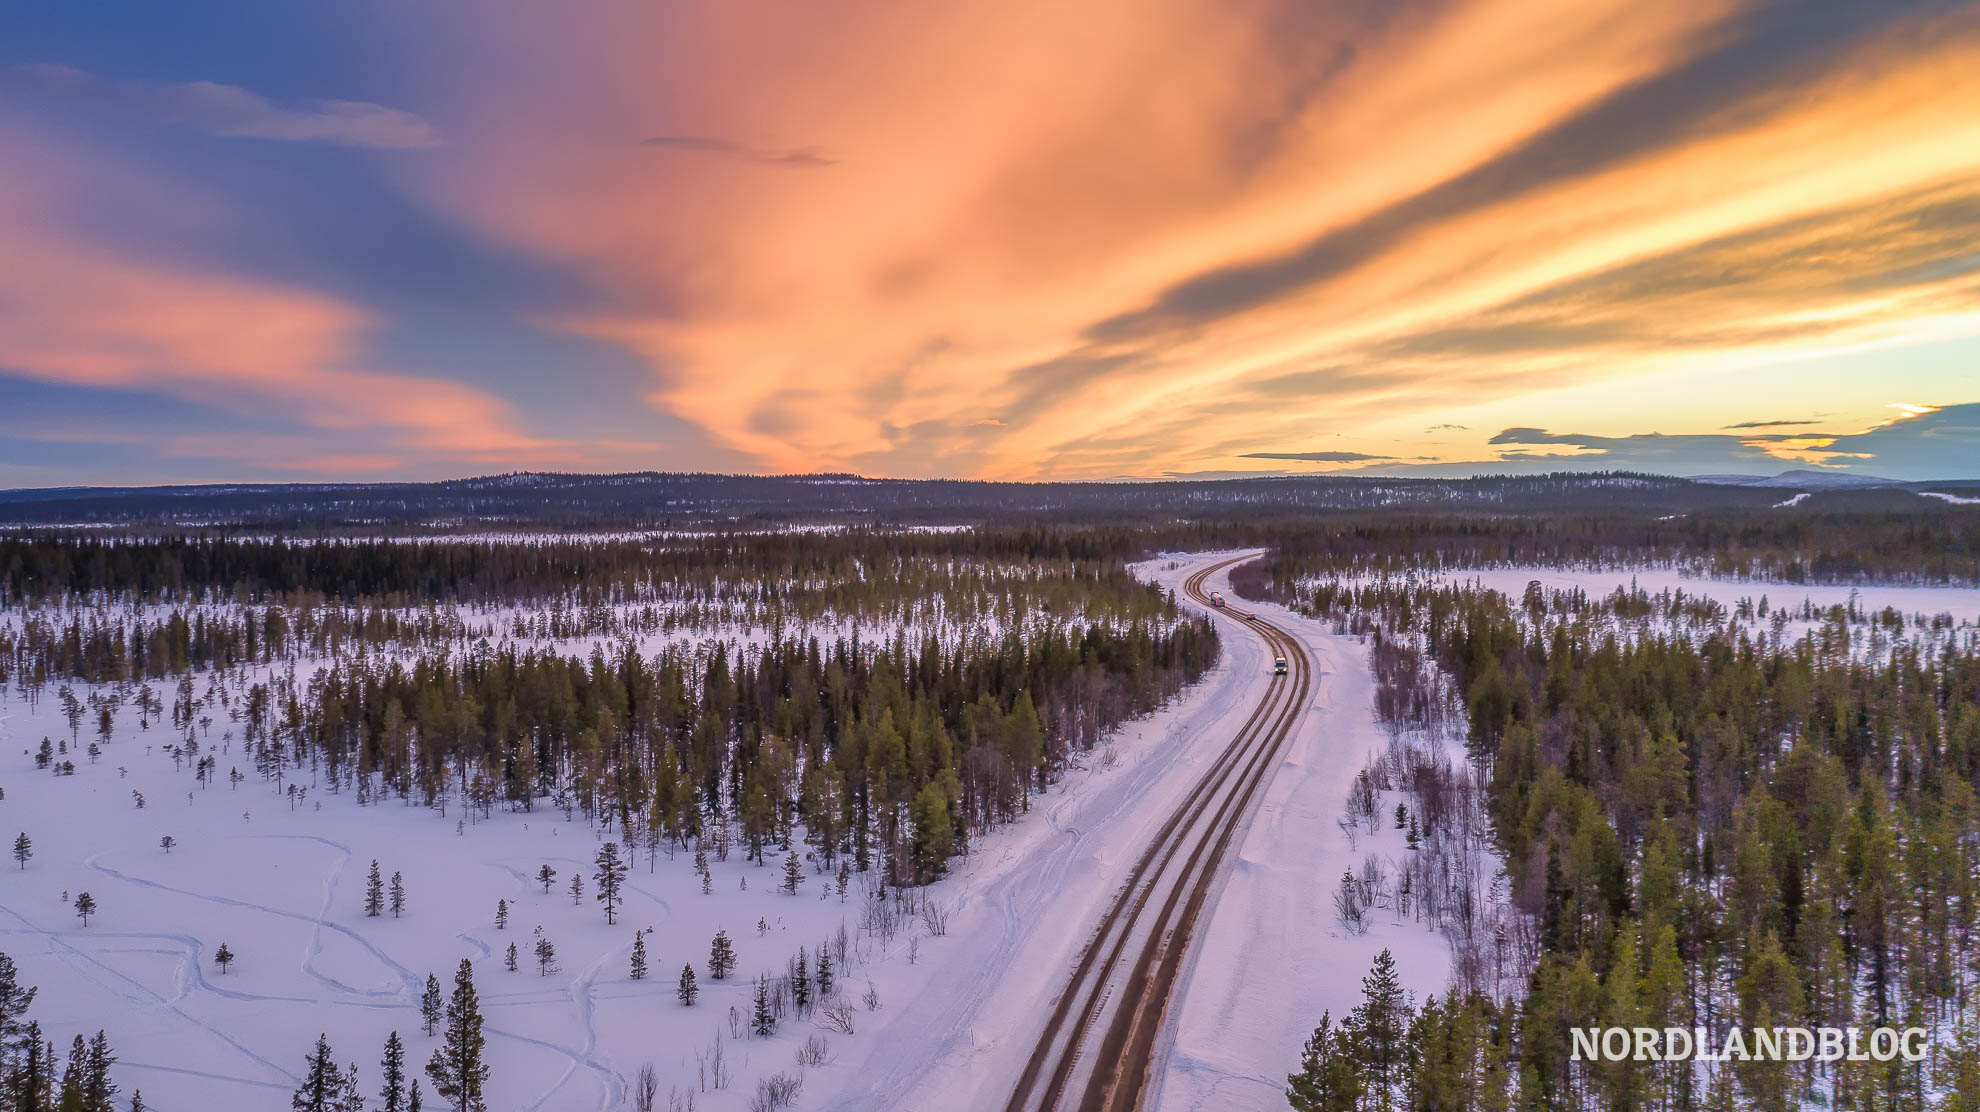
(1273, 956)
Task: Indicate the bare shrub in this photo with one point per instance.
(779, 1090)
(837, 1017)
(815, 1051)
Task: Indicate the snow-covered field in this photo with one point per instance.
(1963, 603)
(956, 1014)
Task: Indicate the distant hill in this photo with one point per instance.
(680, 500)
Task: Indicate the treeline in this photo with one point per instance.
(1923, 543)
(1707, 831)
(889, 753)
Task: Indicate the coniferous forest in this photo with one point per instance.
(1707, 818)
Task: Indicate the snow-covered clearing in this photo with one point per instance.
(956, 1013)
(1963, 603)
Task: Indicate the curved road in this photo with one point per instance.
(1094, 1052)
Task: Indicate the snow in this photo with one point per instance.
(1273, 955)
(1963, 603)
(958, 1014)
(1955, 499)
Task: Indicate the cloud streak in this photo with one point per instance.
(229, 110)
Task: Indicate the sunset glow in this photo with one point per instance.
(1025, 240)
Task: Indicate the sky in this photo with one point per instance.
(1038, 239)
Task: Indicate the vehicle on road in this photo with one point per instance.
(1217, 599)
(1279, 666)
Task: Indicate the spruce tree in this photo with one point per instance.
(824, 972)
(374, 892)
(398, 895)
(501, 915)
(687, 990)
(761, 1020)
(352, 1097)
(430, 1004)
(801, 984)
(97, 1086)
(721, 956)
(412, 1097)
(457, 1070)
(1381, 1025)
(546, 876)
(393, 1068)
(639, 956)
(793, 875)
(74, 1075)
(610, 876)
(577, 889)
(23, 848)
(322, 1085)
(546, 956)
(510, 959)
(1327, 1080)
(223, 957)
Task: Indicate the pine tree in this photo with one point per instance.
(546, 956)
(137, 1101)
(610, 876)
(687, 989)
(457, 1070)
(23, 849)
(510, 959)
(501, 915)
(639, 956)
(393, 1068)
(223, 957)
(323, 1083)
(546, 876)
(700, 868)
(167, 842)
(793, 876)
(801, 984)
(760, 1019)
(85, 906)
(412, 1097)
(374, 892)
(824, 972)
(721, 956)
(398, 895)
(430, 1003)
(577, 889)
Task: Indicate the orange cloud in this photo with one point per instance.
(77, 310)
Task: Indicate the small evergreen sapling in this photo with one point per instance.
(687, 989)
(398, 895)
(639, 956)
(721, 956)
(374, 892)
(430, 1003)
(223, 957)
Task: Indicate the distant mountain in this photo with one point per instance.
(1803, 479)
(682, 500)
